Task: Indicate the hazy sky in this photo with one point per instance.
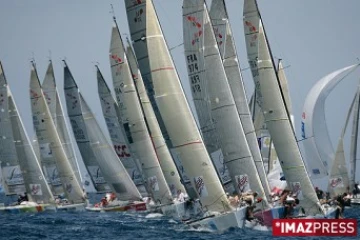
(313, 38)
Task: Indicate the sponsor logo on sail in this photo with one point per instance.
(314, 227)
(200, 186)
(242, 183)
(336, 182)
(153, 183)
(196, 23)
(35, 189)
(13, 175)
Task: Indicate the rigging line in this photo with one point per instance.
(176, 46)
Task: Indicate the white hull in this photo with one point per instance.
(78, 207)
(182, 211)
(28, 207)
(355, 201)
(222, 222)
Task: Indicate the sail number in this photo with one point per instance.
(193, 67)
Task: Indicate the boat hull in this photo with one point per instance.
(182, 211)
(79, 207)
(135, 207)
(28, 208)
(266, 217)
(222, 222)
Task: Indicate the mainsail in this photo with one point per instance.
(52, 154)
(12, 179)
(339, 176)
(205, 65)
(57, 114)
(134, 122)
(80, 133)
(110, 111)
(166, 162)
(317, 143)
(169, 102)
(226, 44)
(271, 100)
(35, 183)
(354, 140)
(105, 166)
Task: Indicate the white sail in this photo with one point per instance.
(272, 103)
(57, 114)
(80, 133)
(354, 140)
(226, 44)
(284, 87)
(169, 103)
(32, 175)
(12, 179)
(105, 166)
(137, 19)
(52, 153)
(167, 163)
(205, 65)
(35, 182)
(317, 144)
(132, 118)
(110, 111)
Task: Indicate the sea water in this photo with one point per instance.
(117, 225)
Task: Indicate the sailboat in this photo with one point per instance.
(353, 148)
(133, 119)
(52, 154)
(104, 166)
(169, 102)
(53, 101)
(11, 176)
(316, 140)
(138, 18)
(276, 115)
(110, 111)
(226, 45)
(339, 176)
(180, 209)
(38, 192)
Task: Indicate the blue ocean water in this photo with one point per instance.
(124, 226)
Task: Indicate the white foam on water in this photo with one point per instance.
(154, 215)
(256, 226)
